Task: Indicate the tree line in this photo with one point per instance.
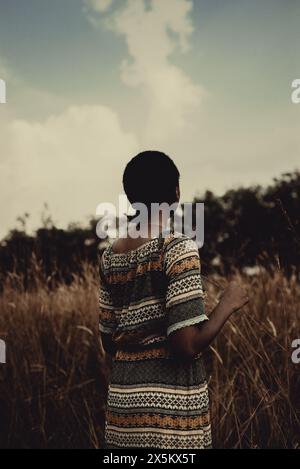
(245, 227)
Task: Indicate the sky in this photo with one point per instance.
(90, 83)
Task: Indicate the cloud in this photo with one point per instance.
(99, 6)
(154, 32)
(5, 72)
(74, 157)
(72, 161)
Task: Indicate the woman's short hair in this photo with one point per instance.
(151, 177)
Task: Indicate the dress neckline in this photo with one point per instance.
(162, 237)
(132, 251)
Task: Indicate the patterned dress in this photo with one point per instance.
(155, 400)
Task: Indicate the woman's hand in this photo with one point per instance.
(234, 297)
(189, 341)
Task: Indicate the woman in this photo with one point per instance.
(153, 322)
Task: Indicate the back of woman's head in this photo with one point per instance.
(151, 177)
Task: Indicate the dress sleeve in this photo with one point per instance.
(184, 297)
(107, 320)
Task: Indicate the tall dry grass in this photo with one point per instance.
(52, 389)
(254, 386)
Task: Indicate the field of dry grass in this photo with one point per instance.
(52, 389)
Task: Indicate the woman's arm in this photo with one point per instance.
(190, 341)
